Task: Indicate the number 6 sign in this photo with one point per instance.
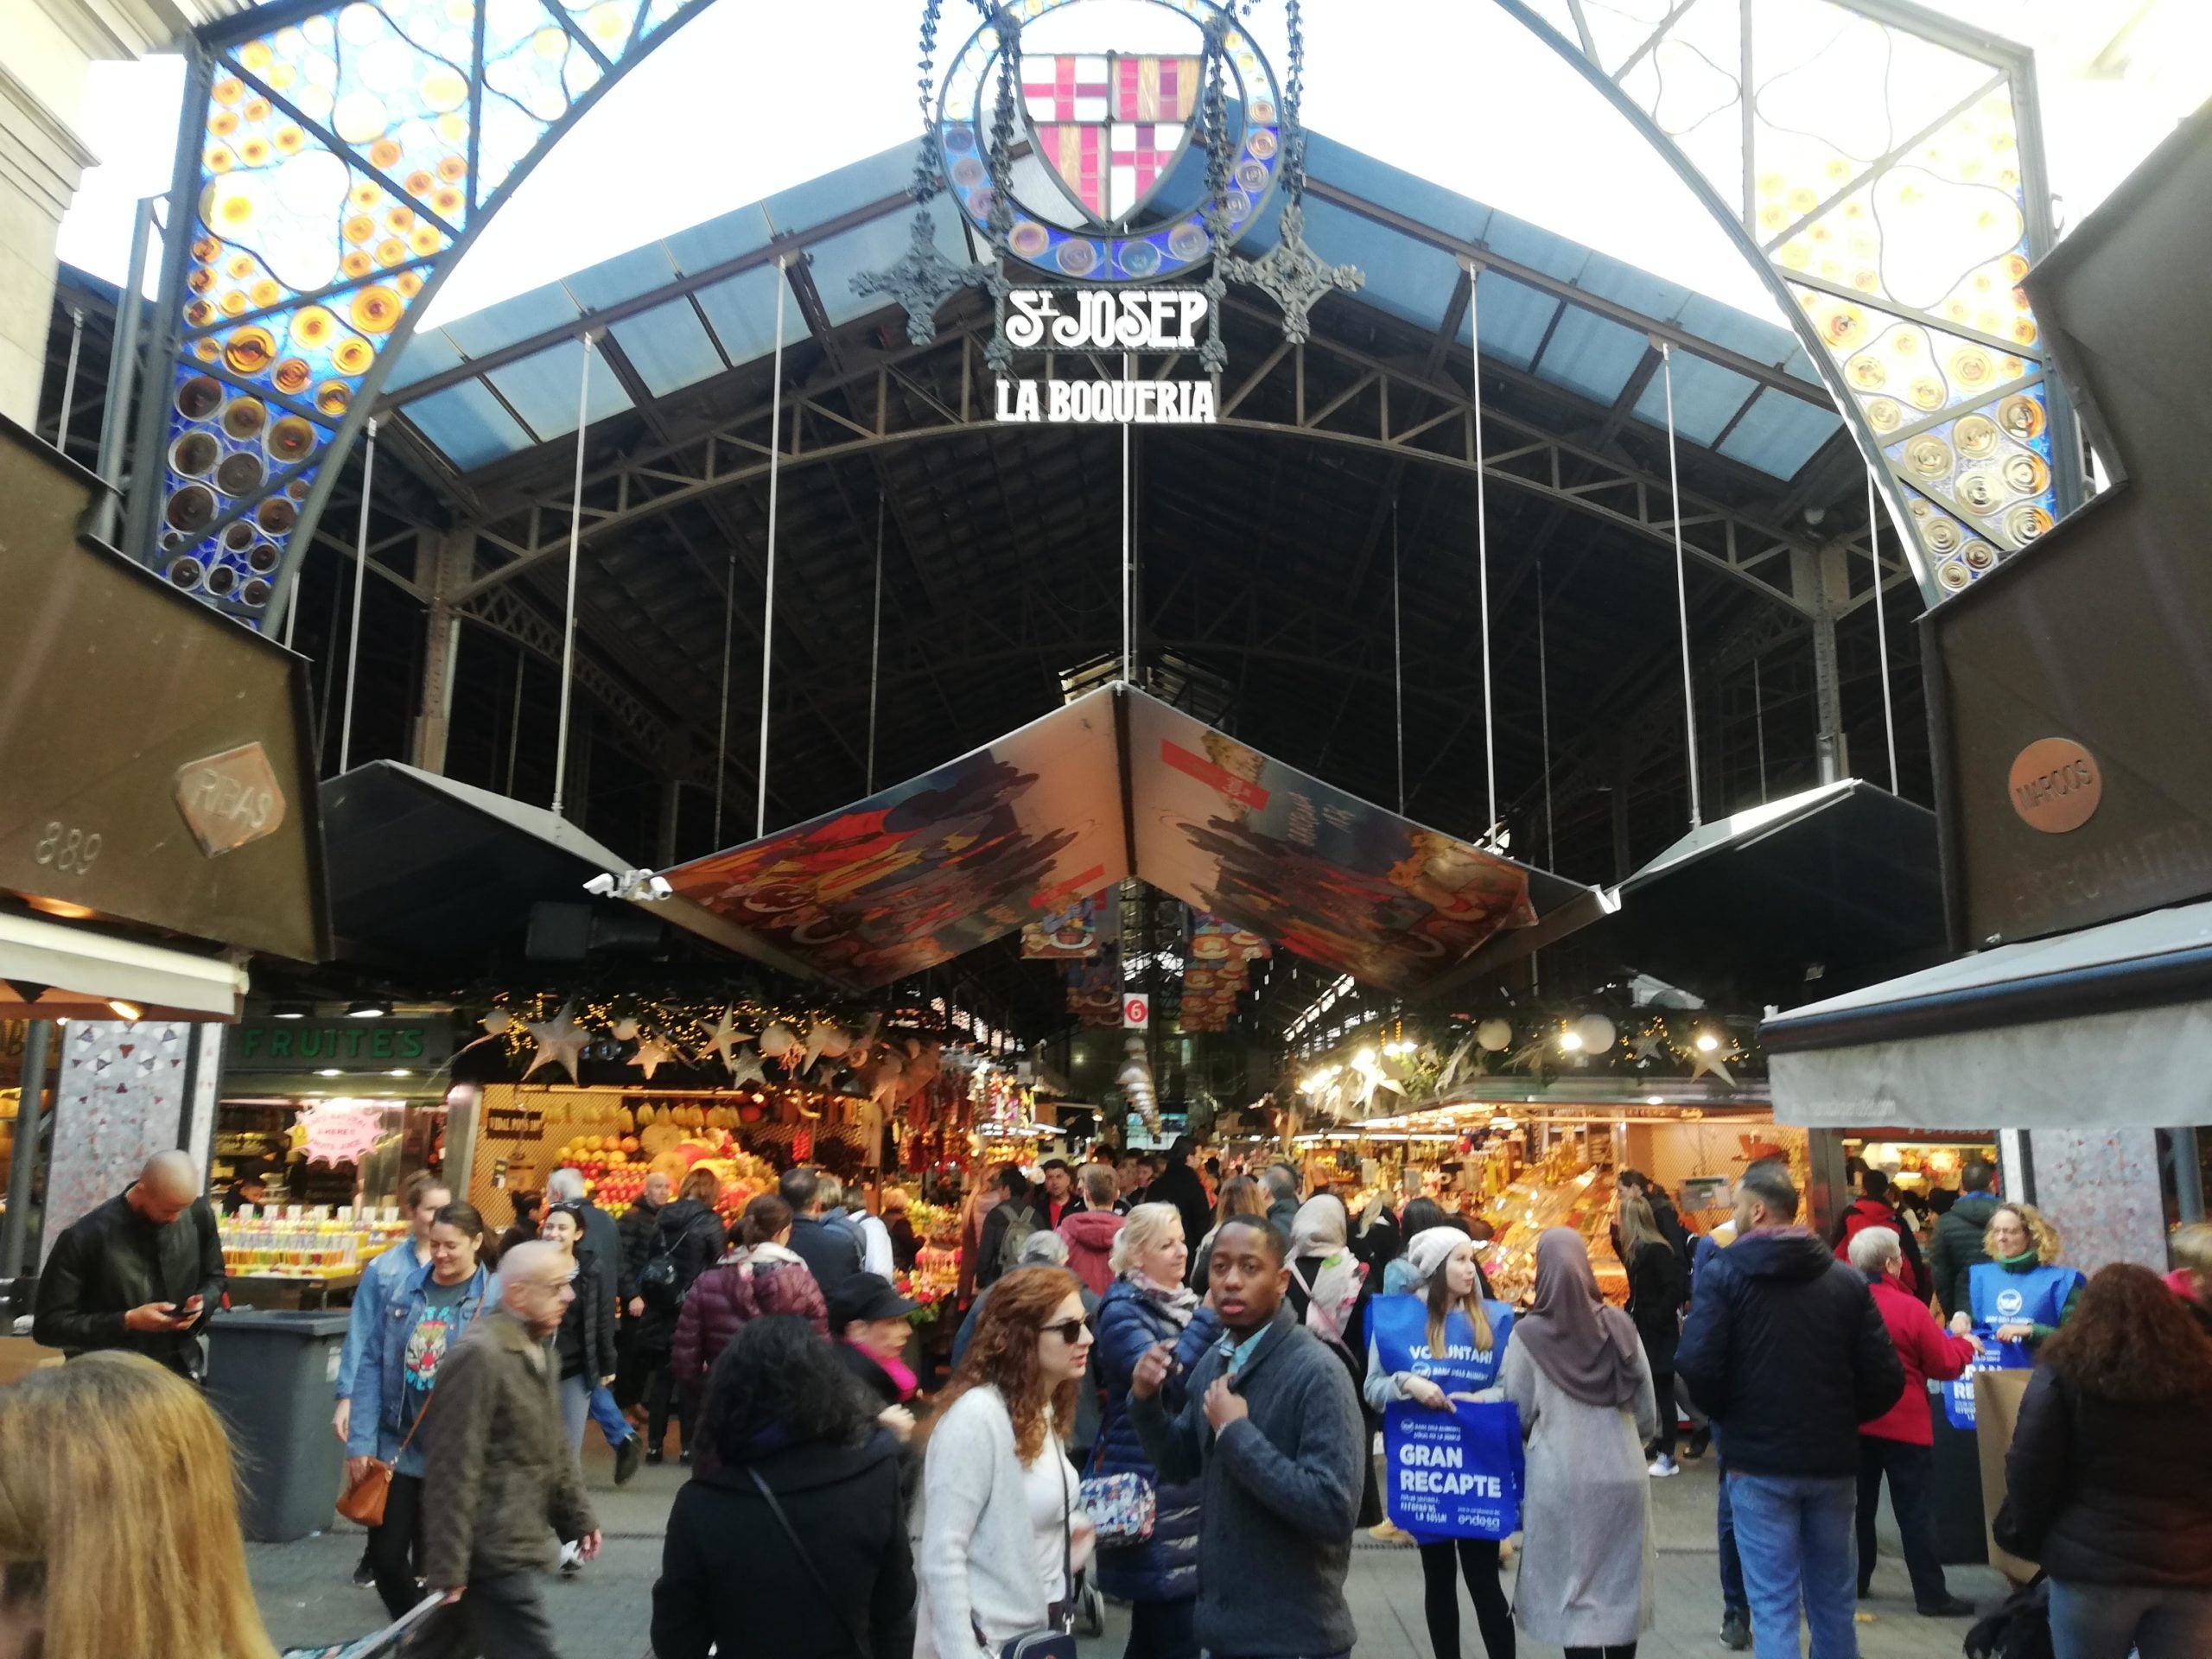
(1136, 1012)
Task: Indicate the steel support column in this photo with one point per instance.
(447, 559)
(1823, 581)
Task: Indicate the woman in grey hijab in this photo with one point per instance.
(1576, 1369)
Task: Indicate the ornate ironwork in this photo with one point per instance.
(921, 280)
(1293, 276)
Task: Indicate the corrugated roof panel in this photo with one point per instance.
(1512, 317)
(1779, 434)
(467, 425)
(1724, 325)
(743, 311)
(534, 313)
(731, 236)
(1639, 290)
(849, 187)
(1394, 189)
(1523, 243)
(1706, 398)
(1592, 355)
(1405, 277)
(543, 389)
(623, 278)
(426, 353)
(668, 347)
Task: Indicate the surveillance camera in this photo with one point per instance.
(602, 883)
(659, 888)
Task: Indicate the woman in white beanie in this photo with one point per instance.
(1440, 1341)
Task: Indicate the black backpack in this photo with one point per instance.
(660, 1285)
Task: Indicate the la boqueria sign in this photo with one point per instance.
(1081, 322)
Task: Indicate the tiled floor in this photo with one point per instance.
(307, 1596)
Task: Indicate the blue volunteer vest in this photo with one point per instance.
(2000, 1296)
(1453, 1474)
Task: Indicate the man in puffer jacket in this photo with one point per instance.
(763, 1276)
(1787, 1353)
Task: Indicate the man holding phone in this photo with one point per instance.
(1271, 1426)
(141, 1272)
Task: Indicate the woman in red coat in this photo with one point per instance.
(763, 1276)
(1897, 1443)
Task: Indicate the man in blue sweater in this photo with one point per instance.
(1272, 1429)
(1788, 1354)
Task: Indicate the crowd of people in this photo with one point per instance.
(1174, 1403)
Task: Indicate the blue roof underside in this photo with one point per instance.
(679, 344)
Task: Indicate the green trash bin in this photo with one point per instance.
(271, 1375)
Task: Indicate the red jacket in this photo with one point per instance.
(723, 1299)
(1089, 1235)
(1928, 1353)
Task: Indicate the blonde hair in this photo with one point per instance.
(1147, 1226)
(2048, 1244)
(1438, 1294)
(2192, 1248)
(118, 1496)
(1639, 1226)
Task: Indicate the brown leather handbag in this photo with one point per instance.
(363, 1500)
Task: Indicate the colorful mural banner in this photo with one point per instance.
(930, 868)
(1283, 855)
(1018, 833)
(1216, 969)
(1067, 933)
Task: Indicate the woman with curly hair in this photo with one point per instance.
(1000, 1526)
(118, 1518)
(2109, 1477)
(802, 1506)
(2021, 1293)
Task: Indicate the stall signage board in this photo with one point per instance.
(1088, 322)
(514, 1122)
(293, 1045)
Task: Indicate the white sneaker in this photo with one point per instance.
(1663, 1466)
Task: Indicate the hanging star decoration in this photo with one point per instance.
(652, 1055)
(497, 1024)
(1703, 1060)
(724, 1038)
(1532, 1054)
(560, 1042)
(1646, 1043)
(1292, 276)
(920, 280)
(744, 1067)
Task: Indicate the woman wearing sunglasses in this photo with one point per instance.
(1001, 1532)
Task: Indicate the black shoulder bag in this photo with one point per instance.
(836, 1607)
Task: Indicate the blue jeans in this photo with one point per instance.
(2103, 1621)
(1794, 1535)
(608, 1415)
(1732, 1563)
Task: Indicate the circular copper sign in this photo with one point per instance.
(2055, 785)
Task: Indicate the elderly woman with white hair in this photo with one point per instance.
(1897, 1443)
(1148, 1304)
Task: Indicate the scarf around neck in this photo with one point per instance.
(1589, 1350)
(1177, 1303)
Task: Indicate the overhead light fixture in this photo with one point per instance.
(1706, 1042)
(129, 1011)
(289, 1011)
(401, 1071)
(373, 1008)
(329, 1071)
(1571, 1041)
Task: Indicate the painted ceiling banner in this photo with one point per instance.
(920, 873)
(1012, 836)
(1324, 874)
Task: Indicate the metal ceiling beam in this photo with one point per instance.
(1766, 374)
(1524, 457)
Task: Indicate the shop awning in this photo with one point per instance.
(2110, 1026)
(1114, 785)
(1830, 887)
(425, 869)
(65, 970)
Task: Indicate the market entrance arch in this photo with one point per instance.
(339, 159)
